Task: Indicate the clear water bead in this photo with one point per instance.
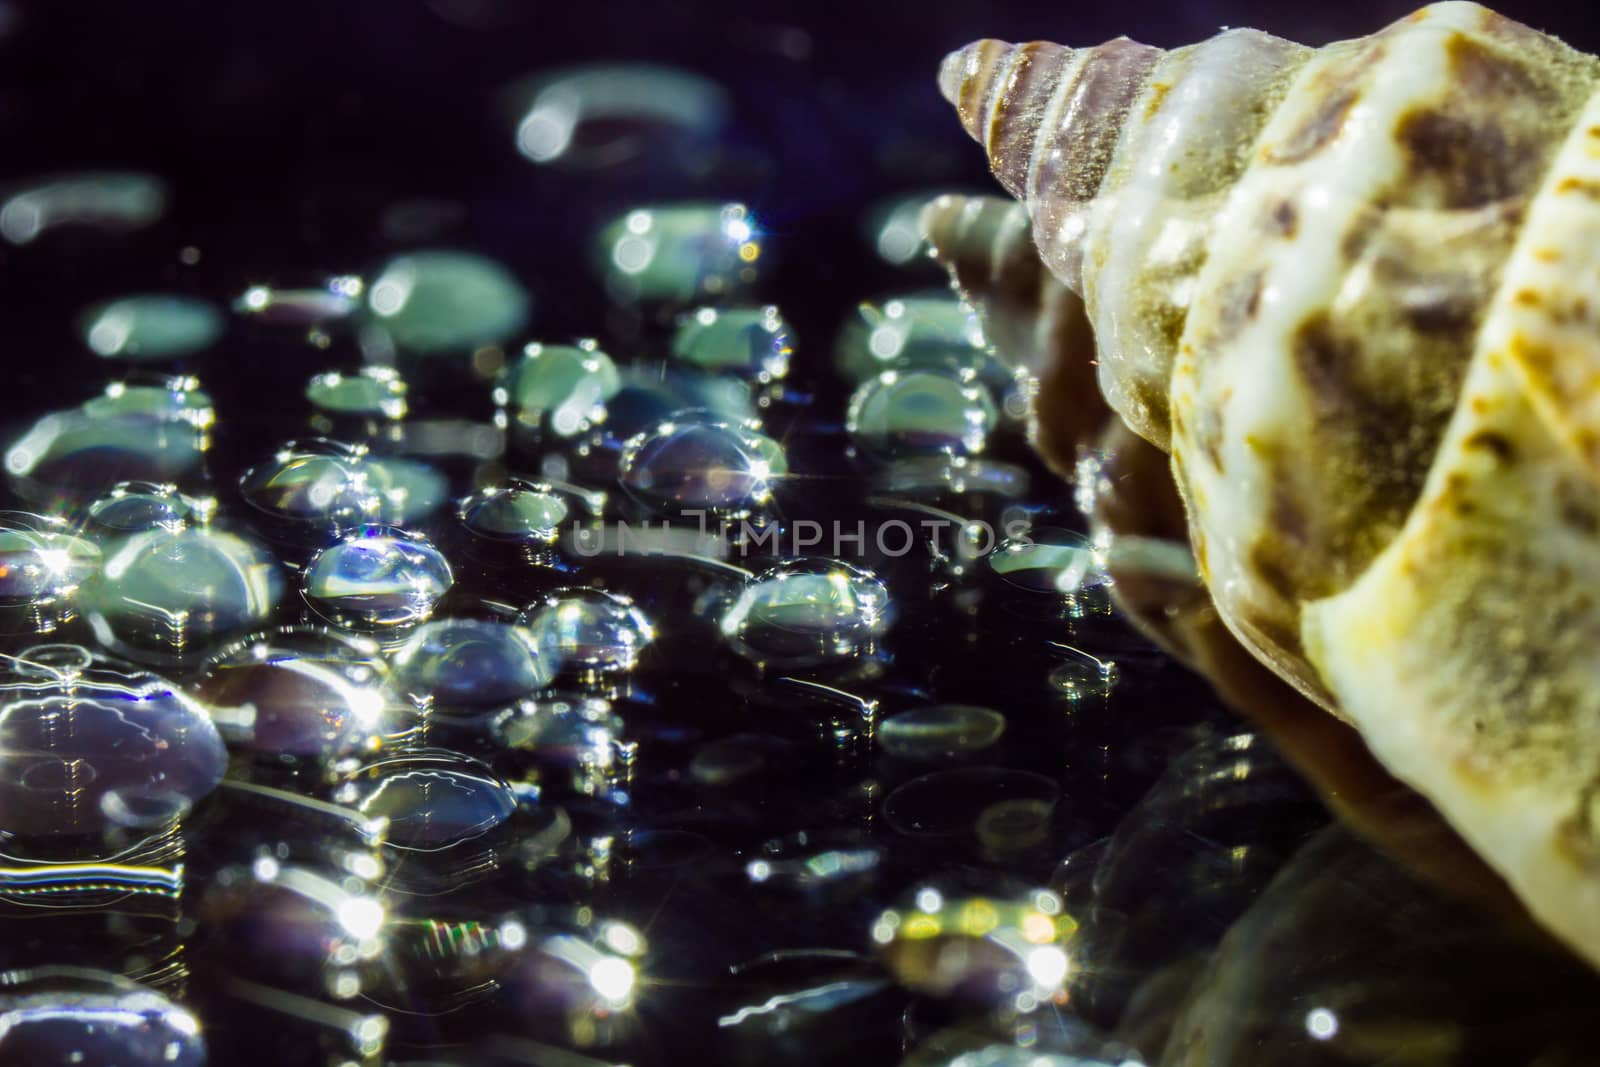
(908, 333)
(561, 389)
(940, 731)
(319, 484)
(681, 253)
(88, 750)
(377, 578)
(606, 115)
(526, 511)
(300, 693)
(591, 631)
(168, 593)
(42, 563)
(371, 392)
(468, 668)
(133, 507)
(693, 465)
(808, 611)
(920, 412)
(105, 200)
(752, 343)
(447, 301)
(66, 1015)
(432, 799)
(151, 326)
(572, 740)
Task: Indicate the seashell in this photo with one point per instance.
(1333, 283)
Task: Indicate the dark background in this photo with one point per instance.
(286, 128)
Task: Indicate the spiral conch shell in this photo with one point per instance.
(1355, 292)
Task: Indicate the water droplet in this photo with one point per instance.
(372, 393)
(1081, 674)
(299, 693)
(72, 457)
(469, 668)
(317, 485)
(133, 507)
(936, 332)
(174, 398)
(168, 593)
(808, 611)
(151, 326)
(985, 947)
(711, 467)
(940, 731)
(442, 301)
(408, 490)
(952, 803)
(433, 799)
(810, 862)
(590, 631)
(377, 578)
(42, 565)
(920, 411)
(608, 115)
(752, 343)
(559, 389)
(108, 200)
(89, 750)
(681, 253)
(527, 511)
(61, 1015)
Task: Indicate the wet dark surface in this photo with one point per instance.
(919, 796)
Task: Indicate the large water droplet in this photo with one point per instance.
(608, 115)
(299, 693)
(168, 593)
(466, 668)
(65, 1016)
(318, 485)
(443, 301)
(432, 798)
(559, 389)
(681, 253)
(940, 731)
(711, 467)
(572, 741)
(73, 457)
(42, 565)
(920, 411)
(151, 327)
(808, 611)
(752, 343)
(591, 632)
(107, 200)
(88, 750)
(377, 578)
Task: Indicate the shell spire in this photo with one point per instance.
(1349, 290)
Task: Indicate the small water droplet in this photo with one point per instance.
(920, 411)
(589, 631)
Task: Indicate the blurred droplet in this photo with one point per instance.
(371, 393)
(133, 507)
(609, 115)
(808, 611)
(109, 200)
(299, 693)
(70, 458)
(379, 578)
(940, 731)
(439, 301)
(571, 740)
(89, 750)
(302, 308)
(677, 254)
(559, 390)
(921, 411)
(752, 343)
(953, 803)
(151, 327)
(913, 332)
(315, 486)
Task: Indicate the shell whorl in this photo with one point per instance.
(1352, 291)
